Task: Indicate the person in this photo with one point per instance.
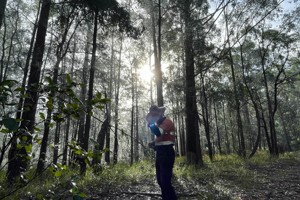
(163, 144)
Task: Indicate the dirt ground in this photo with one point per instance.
(279, 180)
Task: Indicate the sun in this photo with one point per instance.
(145, 74)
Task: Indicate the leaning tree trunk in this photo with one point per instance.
(255, 105)
(205, 117)
(271, 108)
(98, 150)
(26, 67)
(17, 163)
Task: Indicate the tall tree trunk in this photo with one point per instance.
(83, 90)
(255, 105)
(227, 141)
(110, 95)
(157, 51)
(274, 148)
(100, 144)
(158, 74)
(2, 11)
(4, 68)
(56, 142)
(26, 67)
(67, 131)
(240, 133)
(205, 116)
(132, 136)
(90, 93)
(193, 150)
(183, 134)
(17, 163)
(136, 143)
(3, 53)
(117, 93)
(217, 129)
(285, 131)
(60, 54)
(132, 119)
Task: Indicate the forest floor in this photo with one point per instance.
(276, 180)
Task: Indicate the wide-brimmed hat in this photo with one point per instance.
(154, 112)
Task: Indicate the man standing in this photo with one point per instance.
(162, 127)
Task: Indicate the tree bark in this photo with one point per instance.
(205, 116)
(219, 142)
(86, 136)
(117, 86)
(83, 90)
(26, 67)
(193, 150)
(17, 164)
(100, 144)
(2, 11)
(240, 133)
(157, 52)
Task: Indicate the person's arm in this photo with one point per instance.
(167, 126)
(155, 129)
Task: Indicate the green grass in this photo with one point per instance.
(231, 168)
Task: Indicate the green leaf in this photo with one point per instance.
(4, 130)
(37, 129)
(28, 148)
(19, 89)
(11, 124)
(42, 116)
(49, 103)
(68, 79)
(24, 138)
(48, 79)
(58, 173)
(90, 154)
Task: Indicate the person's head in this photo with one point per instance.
(155, 113)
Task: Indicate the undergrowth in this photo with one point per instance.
(231, 168)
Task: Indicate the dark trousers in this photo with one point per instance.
(165, 157)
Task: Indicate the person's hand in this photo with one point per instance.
(151, 145)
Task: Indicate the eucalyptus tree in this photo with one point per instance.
(18, 156)
(66, 20)
(105, 13)
(117, 94)
(156, 25)
(240, 131)
(83, 88)
(274, 53)
(245, 49)
(14, 40)
(2, 11)
(193, 149)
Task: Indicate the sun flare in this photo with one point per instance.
(145, 74)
